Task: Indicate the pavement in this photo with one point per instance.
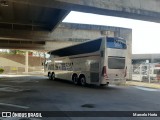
(128, 83)
(143, 84)
(37, 93)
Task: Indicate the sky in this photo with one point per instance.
(145, 35)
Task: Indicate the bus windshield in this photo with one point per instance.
(116, 62)
(116, 43)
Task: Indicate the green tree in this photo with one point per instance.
(1, 70)
(16, 52)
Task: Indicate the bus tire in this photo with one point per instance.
(50, 76)
(105, 85)
(82, 80)
(53, 76)
(75, 79)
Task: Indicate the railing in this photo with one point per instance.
(143, 73)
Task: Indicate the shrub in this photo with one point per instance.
(1, 70)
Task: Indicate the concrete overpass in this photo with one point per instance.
(65, 34)
(34, 9)
(29, 24)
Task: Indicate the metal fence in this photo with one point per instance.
(146, 73)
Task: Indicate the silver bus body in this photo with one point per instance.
(100, 62)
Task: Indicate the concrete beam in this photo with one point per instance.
(63, 32)
(21, 46)
(65, 35)
(148, 10)
(7, 34)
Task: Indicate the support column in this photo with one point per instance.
(127, 35)
(26, 62)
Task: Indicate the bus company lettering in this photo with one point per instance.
(64, 66)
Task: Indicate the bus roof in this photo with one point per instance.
(82, 48)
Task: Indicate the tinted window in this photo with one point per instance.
(116, 43)
(116, 63)
(87, 47)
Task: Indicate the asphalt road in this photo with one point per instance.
(36, 93)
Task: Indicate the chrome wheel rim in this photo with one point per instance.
(75, 80)
(83, 82)
(50, 76)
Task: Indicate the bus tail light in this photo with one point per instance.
(125, 72)
(104, 71)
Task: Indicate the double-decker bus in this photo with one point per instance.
(100, 62)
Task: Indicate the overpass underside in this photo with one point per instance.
(36, 24)
(32, 23)
(147, 10)
(65, 34)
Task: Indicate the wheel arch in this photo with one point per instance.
(74, 74)
(81, 75)
(49, 73)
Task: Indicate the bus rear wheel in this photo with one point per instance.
(75, 79)
(51, 76)
(83, 81)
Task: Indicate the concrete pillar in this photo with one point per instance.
(26, 62)
(127, 34)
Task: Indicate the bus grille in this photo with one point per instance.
(94, 67)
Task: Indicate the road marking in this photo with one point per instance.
(9, 89)
(12, 105)
(146, 89)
